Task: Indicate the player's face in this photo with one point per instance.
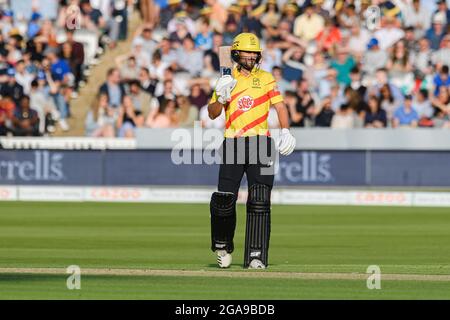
(248, 59)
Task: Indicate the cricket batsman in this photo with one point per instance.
(246, 95)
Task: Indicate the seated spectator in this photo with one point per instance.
(11, 88)
(187, 112)
(375, 116)
(389, 33)
(283, 84)
(3, 128)
(295, 109)
(140, 98)
(437, 32)
(374, 58)
(293, 66)
(100, 119)
(406, 116)
(441, 105)
(44, 106)
(442, 56)
(190, 59)
(343, 64)
(129, 70)
(113, 88)
(308, 25)
(424, 109)
(328, 37)
(23, 77)
(25, 120)
(74, 54)
(344, 118)
(147, 83)
(399, 66)
(441, 79)
(359, 38)
(163, 117)
(324, 115)
(198, 96)
(145, 39)
(204, 38)
(388, 103)
(128, 119)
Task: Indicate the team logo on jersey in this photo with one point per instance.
(245, 103)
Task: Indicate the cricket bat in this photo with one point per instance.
(226, 64)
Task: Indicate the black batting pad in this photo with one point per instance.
(223, 221)
(257, 233)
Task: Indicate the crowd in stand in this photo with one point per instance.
(46, 50)
(338, 63)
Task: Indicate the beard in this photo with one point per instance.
(248, 63)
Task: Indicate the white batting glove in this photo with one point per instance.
(286, 142)
(223, 89)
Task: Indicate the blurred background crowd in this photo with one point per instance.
(338, 63)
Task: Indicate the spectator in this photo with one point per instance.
(75, 57)
(192, 58)
(388, 103)
(417, 16)
(11, 88)
(147, 83)
(343, 64)
(25, 120)
(293, 66)
(442, 56)
(441, 105)
(296, 110)
(389, 34)
(329, 37)
(375, 117)
(374, 59)
(129, 69)
(163, 117)
(204, 37)
(308, 25)
(406, 116)
(422, 105)
(187, 112)
(113, 88)
(344, 118)
(198, 96)
(442, 79)
(140, 98)
(128, 119)
(325, 114)
(399, 66)
(145, 39)
(437, 32)
(100, 119)
(422, 59)
(45, 108)
(23, 77)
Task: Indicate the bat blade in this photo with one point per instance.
(226, 64)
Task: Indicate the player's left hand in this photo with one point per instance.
(286, 142)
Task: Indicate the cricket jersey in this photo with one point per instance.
(247, 112)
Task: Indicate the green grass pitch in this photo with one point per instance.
(306, 239)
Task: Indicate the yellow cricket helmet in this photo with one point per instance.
(246, 42)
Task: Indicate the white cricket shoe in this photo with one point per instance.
(256, 264)
(223, 258)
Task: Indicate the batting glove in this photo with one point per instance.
(223, 89)
(286, 142)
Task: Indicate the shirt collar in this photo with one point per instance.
(236, 73)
